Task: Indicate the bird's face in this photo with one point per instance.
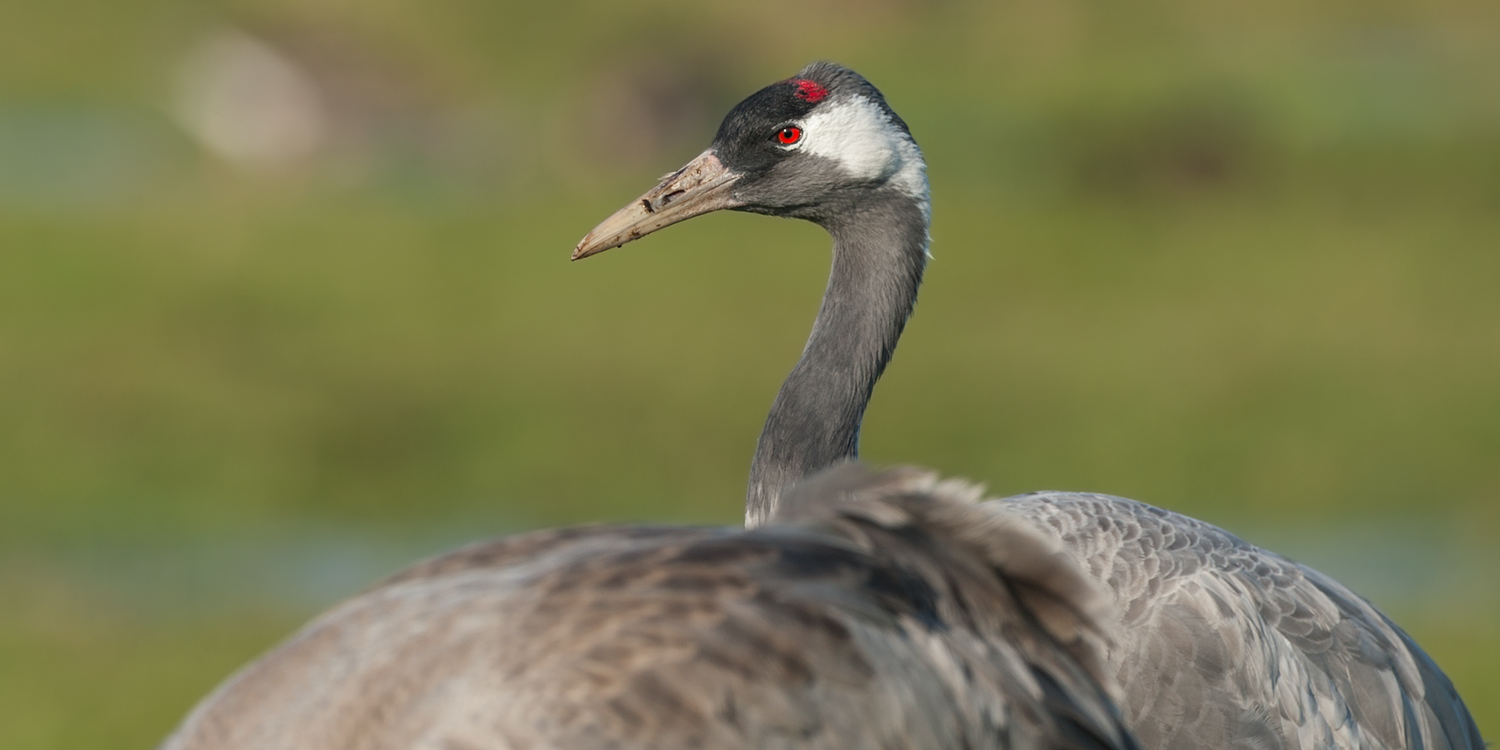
(814, 147)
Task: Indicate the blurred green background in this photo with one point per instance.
(285, 299)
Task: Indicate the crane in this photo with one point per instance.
(1223, 644)
(872, 610)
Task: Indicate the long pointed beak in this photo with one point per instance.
(702, 186)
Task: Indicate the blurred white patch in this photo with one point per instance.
(248, 103)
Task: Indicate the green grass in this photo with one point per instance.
(1238, 262)
(81, 670)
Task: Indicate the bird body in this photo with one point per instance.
(1231, 646)
(1225, 645)
(874, 611)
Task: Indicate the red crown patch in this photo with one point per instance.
(810, 90)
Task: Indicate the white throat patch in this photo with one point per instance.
(857, 134)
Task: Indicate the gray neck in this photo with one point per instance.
(879, 251)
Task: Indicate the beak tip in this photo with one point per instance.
(584, 250)
(703, 185)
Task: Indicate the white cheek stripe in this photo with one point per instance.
(856, 134)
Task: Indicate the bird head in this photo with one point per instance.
(815, 146)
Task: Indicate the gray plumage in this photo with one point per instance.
(874, 611)
(1226, 645)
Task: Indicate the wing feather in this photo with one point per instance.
(882, 617)
(1229, 645)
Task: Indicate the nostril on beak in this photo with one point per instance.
(669, 197)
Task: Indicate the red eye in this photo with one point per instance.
(789, 135)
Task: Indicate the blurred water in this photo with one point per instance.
(1400, 565)
(303, 570)
(1403, 567)
(78, 156)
